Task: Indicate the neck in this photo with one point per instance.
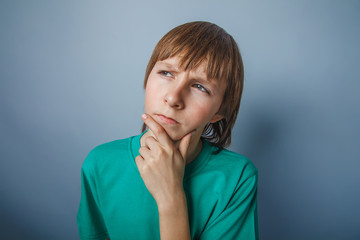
(193, 150)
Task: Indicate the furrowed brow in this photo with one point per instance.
(168, 65)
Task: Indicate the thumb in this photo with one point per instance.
(184, 144)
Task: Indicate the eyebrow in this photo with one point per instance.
(171, 66)
(202, 78)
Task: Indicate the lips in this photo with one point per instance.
(166, 120)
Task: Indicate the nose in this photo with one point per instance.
(174, 97)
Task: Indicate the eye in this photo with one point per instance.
(165, 73)
(201, 88)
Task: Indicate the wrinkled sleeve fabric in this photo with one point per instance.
(89, 218)
(239, 219)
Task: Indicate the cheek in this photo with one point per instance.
(152, 95)
(201, 115)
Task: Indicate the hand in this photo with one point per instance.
(161, 164)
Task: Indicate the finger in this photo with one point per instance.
(144, 152)
(139, 160)
(150, 142)
(159, 132)
(184, 145)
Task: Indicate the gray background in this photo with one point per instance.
(71, 78)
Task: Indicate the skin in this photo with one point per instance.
(178, 105)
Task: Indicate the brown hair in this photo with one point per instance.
(199, 41)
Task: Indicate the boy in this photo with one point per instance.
(176, 180)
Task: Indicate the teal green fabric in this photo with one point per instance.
(221, 193)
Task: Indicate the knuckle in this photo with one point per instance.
(161, 151)
(165, 152)
(148, 140)
(141, 150)
(145, 168)
(138, 159)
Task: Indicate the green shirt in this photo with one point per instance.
(221, 191)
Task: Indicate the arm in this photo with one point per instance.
(239, 219)
(161, 165)
(89, 218)
(173, 218)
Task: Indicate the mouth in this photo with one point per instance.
(166, 120)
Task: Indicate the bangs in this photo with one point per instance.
(196, 44)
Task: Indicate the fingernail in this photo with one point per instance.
(144, 116)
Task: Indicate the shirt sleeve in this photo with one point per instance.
(239, 219)
(89, 218)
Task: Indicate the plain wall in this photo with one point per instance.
(71, 75)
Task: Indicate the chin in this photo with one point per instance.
(175, 134)
(175, 137)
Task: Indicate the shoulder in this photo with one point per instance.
(103, 153)
(233, 163)
(111, 147)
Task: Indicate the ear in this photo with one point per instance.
(216, 117)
